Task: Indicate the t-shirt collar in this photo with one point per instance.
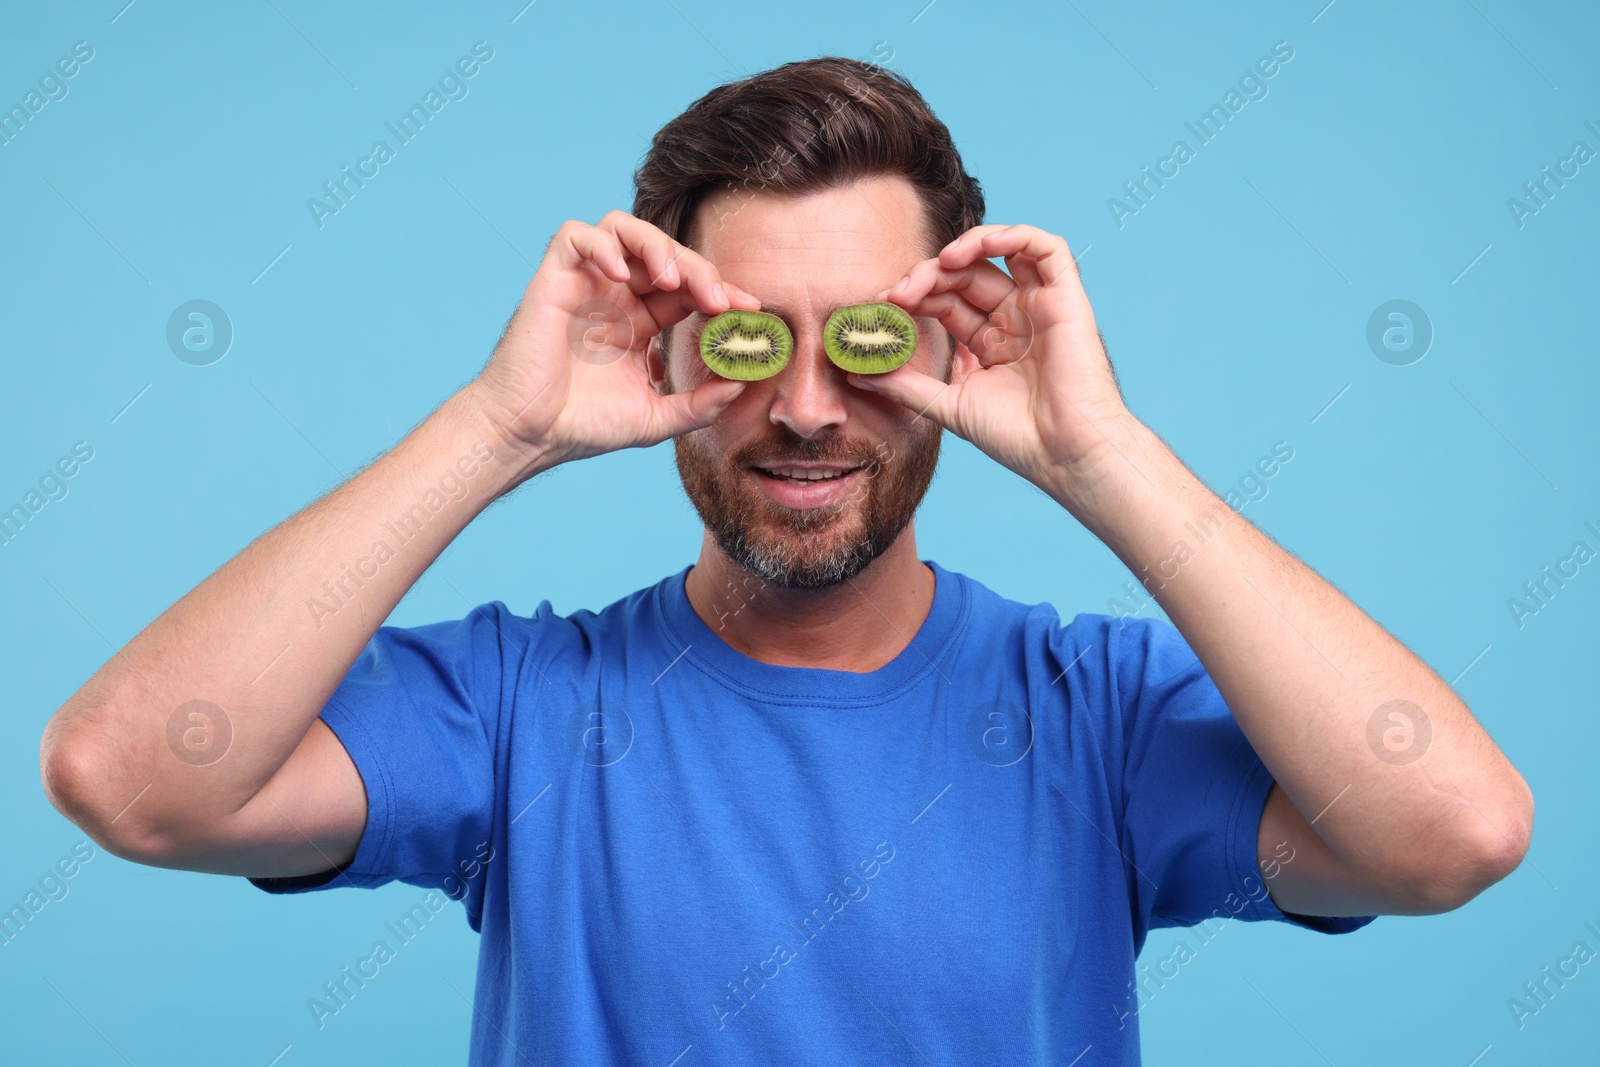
(698, 646)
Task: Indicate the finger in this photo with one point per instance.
(969, 246)
(646, 245)
(679, 413)
(911, 389)
(741, 299)
(641, 279)
(954, 314)
(694, 277)
(670, 264)
(1003, 335)
(600, 248)
(1045, 252)
(653, 273)
(639, 282)
(670, 308)
(978, 244)
(968, 302)
(981, 284)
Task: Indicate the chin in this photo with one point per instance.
(763, 533)
(808, 556)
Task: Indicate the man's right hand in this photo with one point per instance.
(568, 379)
(267, 639)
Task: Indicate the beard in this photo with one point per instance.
(817, 547)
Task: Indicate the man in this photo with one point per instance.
(811, 799)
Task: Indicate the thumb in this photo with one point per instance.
(700, 406)
(921, 393)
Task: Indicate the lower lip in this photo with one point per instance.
(820, 493)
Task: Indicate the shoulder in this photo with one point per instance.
(1092, 684)
(1120, 650)
(1114, 677)
(547, 638)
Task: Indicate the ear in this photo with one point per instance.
(965, 362)
(655, 364)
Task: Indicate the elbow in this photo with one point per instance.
(66, 774)
(1488, 847)
(75, 781)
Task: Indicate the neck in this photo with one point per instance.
(857, 625)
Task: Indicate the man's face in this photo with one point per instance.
(802, 257)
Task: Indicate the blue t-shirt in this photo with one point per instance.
(668, 845)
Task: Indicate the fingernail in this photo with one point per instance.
(901, 284)
(719, 294)
(622, 266)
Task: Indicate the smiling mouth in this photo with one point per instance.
(804, 475)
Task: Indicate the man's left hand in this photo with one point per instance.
(1031, 386)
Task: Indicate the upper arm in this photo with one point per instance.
(1304, 877)
(398, 779)
(1207, 832)
(308, 818)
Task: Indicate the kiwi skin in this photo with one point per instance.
(746, 346)
(878, 357)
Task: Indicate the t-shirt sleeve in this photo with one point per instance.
(418, 712)
(1193, 788)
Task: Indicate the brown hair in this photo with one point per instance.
(803, 127)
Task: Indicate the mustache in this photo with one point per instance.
(793, 448)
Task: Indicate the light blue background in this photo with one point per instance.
(1234, 304)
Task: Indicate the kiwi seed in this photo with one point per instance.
(869, 338)
(746, 345)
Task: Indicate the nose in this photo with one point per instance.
(811, 393)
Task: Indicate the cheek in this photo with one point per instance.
(876, 416)
(742, 423)
(926, 357)
(933, 344)
(892, 433)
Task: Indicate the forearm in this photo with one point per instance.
(266, 639)
(1308, 676)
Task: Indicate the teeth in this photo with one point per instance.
(797, 475)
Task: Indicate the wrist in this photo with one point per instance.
(511, 460)
(1099, 485)
(1144, 503)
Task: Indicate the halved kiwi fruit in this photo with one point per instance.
(746, 345)
(869, 338)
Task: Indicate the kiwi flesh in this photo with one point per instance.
(746, 345)
(869, 338)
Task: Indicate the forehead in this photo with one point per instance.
(866, 232)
